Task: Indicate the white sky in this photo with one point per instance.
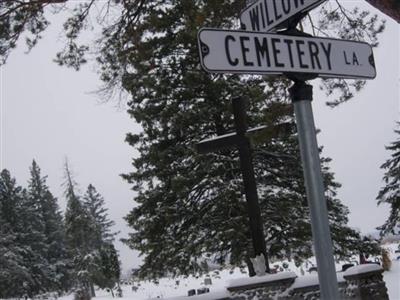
(49, 113)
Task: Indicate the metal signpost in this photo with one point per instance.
(301, 94)
(299, 57)
(267, 15)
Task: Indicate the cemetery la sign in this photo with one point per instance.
(265, 15)
(233, 51)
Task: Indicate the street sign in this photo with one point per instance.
(234, 51)
(265, 15)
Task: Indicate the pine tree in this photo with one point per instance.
(390, 193)
(79, 228)
(33, 237)
(110, 271)
(89, 236)
(40, 196)
(190, 206)
(13, 270)
(101, 240)
(94, 204)
(17, 15)
(29, 271)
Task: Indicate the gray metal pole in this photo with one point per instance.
(301, 94)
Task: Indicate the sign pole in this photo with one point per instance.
(249, 181)
(301, 94)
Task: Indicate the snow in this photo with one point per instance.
(366, 268)
(309, 280)
(168, 289)
(261, 279)
(392, 279)
(312, 280)
(219, 137)
(259, 264)
(208, 296)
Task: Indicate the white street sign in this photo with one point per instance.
(265, 15)
(233, 51)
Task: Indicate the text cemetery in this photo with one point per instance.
(262, 53)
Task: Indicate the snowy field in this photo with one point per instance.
(178, 288)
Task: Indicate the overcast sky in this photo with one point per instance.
(48, 113)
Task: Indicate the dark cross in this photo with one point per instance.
(241, 140)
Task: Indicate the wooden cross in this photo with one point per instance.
(241, 140)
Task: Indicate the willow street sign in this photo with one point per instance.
(265, 15)
(234, 51)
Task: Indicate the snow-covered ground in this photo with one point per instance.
(178, 288)
(392, 278)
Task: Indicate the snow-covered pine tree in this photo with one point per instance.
(14, 273)
(78, 230)
(101, 240)
(390, 193)
(190, 206)
(32, 235)
(22, 218)
(56, 255)
(94, 204)
(110, 267)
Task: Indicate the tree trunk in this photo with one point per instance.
(390, 8)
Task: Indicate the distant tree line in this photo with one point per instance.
(42, 250)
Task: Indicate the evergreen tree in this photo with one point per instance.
(191, 206)
(119, 35)
(28, 17)
(110, 271)
(14, 273)
(32, 235)
(94, 204)
(79, 228)
(40, 196)
(89, 236)
(390, 193)
(29, 270)
(32, 242)
(105, 259)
